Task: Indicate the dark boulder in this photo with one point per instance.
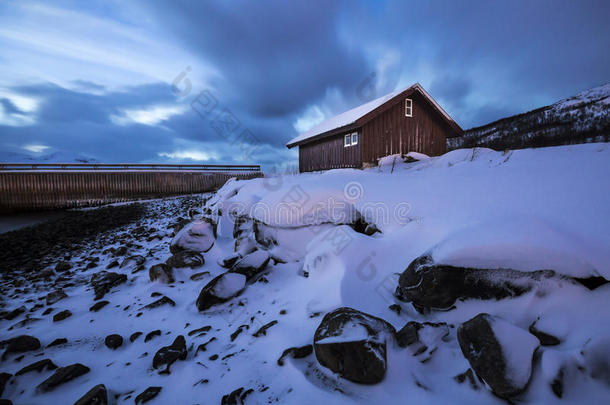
(185, 259)
(4, 377)
(21, 344)
(160, 302)
(95, 396)
(60, 316)
(251, 265)
(113, 341)
(220, 289)
(148, 394)
(152, 335)
(545, 338)
(133, 263)
(161, 272)
(429, 285)
(98, 305)
(166, 356)
(295, 353)
(9, 316)
(104, 281)
(38, 366)
(237, 397)
(55, 296)
(499, 352)
(422, 339)
(353, 344)
(57, 342)
(134, 336)
(62, 375)
(63, 266)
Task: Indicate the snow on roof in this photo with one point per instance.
(351, 116)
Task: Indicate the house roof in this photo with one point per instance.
(356, 117)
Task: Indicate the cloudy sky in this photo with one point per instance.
(233, 81)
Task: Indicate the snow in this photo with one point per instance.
(527, 209)
(518, 347)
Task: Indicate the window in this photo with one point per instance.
(350, 139)
(408, 107)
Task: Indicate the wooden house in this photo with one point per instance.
(408, 120)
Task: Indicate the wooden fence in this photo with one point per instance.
(56, 186)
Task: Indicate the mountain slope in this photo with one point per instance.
(580, 119)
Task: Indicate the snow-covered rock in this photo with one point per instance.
(197, 236)
(499, 352)
(354, 345)
(252, 264)
(221, 289)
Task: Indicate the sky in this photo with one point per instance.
(231, 82)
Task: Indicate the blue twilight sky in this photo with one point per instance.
(94, 78)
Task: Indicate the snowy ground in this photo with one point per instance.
(528, 210)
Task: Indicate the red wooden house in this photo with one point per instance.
(407, 120)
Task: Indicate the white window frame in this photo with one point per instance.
(354, 135)
(408, 107)
(347, 140)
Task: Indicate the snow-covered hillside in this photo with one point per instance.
(474, 263)
(579, 119)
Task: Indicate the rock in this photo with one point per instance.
(160, 302)
(167, 355)
(148, 394)
(6, 402)
(114, 263)
(151, 335)
(104, 281)
(228, 262)
(499, 352)
(113, 341)
(197, 236)
(295, 353)
(134, 336)
(95, 396)
(133, 263)
(15, 313)
(98, 305)
(201, 330)
(21, 344)
(546, 339)
(371, 229)
(221, 289)
(199, 276)
(4, 377)
(353, 344)
(252, 264)
(436, 286)
(469, 376)
(38, 366)
(62, 375)
(60, 316)
(422, 338)
(57, 342)
(161, 272)
(238, 331)
(236, 397)
(262, 331)
(63, 266)
(55, 296)
(185, 259)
